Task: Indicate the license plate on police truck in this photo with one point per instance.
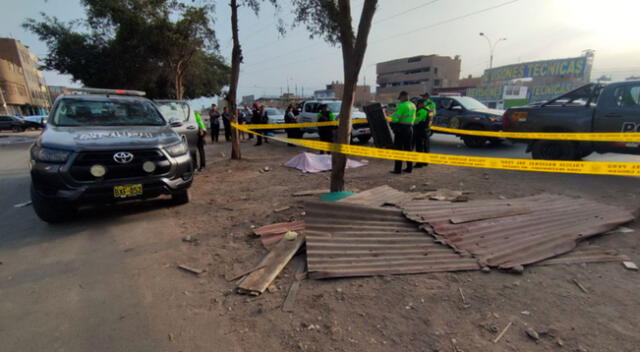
(127, 191)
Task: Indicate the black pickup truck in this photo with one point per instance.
(593, 107)
(468, 114)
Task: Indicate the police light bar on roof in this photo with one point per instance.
(137, 93)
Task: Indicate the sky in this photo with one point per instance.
(534, 30)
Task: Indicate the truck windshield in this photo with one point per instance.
(335, 106)
(174, 109)
(80, 112)
(471, 104)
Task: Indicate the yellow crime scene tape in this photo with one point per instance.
(628, 137)
(622, 137)
(276, 126)
(572, 167)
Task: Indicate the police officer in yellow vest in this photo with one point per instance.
(421, 131)
(402, 125)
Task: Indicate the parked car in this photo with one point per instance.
(275, 115)
(16, 124)
(106, 146)
(467, 113)
(183, 120)
(310, 110)
(41, 120)
(614, 107)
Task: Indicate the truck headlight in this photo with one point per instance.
(49, 155)
(177, 149)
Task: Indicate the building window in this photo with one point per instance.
(420, 70)
(512, 90)
(414, 59)
(435, 70)
(436, 83)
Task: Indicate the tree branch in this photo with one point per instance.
(364, 27)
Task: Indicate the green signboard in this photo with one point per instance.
(550, 91)
(573, 67)
(485, 93)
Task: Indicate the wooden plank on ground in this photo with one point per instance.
(258, 281)
(245, 273)
(290, 301)
(312, 192)
(494, 215)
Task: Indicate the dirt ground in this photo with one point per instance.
(393, 313)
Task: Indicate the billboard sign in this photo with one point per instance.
(493, 93)
(550, 91)
(572, 67)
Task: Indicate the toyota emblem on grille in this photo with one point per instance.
(123, 157)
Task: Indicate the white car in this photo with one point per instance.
(275, 116)
(311, 108)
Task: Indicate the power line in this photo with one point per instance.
(450, 20)
(405, 33)
(405, 12)
(382, 20)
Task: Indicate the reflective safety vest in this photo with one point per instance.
(201, 125)
(405, 114)
(422, 115)
(431, 106)
(324, 117)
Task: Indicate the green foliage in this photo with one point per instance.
(163, 47)
(320, 17)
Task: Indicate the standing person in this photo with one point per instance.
(296, 114)
(202, 131)
(226, 121)
(264, 118)
(430, 105)
(420, 131)
(326, 132)
(290, 117)
(247, 118)
(241, 121)
(256, 119)
(214, 123)
(402, 125)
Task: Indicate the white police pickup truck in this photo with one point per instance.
(311, 108)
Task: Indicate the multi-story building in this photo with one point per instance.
(13, 91)
(55, 91)
(23, 85)
(335, 91)
(416, 75)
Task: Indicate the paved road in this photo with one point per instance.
(91, 285)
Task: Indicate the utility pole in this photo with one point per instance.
(492, 47)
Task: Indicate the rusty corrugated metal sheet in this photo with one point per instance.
(586, 254)
(352, 240)
(271, 234)
(377, 197)
(554, 226)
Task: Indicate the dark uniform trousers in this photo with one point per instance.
(203, 160)
(402, 140)
(421, 141)
(326, 135)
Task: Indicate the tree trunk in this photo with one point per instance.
(352, 57)
(179, 86)
(236, 58)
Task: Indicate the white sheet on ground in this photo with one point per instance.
(309, 162)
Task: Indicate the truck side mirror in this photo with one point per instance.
(175, 122)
